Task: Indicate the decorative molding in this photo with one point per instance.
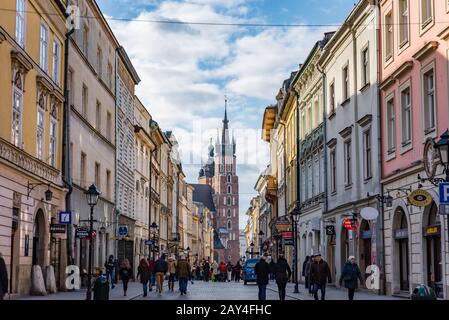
(21, 159)
(21, 61)
(444, 35)
(345, 132)
(2, 36)
(364, 121)
(386, 83)
(332, 143)
(424, 51)
(406, 66)
(44, 84)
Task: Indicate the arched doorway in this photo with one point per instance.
(432, 249)
(401, 251)
(310, 243)
(344, 246)
(365, 246)
(39, 239)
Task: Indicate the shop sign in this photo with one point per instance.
(82, 232)
(401, 233)
(288, 242)
(432, 230)
(420, 198)
(350, 224)
(57, 228)
(283, 223)
(366, 234)
(430, 158)
(330, 230)
(287, 235)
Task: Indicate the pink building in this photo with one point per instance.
(413, 66)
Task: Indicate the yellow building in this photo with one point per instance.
(32, 34)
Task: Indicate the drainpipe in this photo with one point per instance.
(67, 165)
(116, 211)
(380, 228)
(150, 199)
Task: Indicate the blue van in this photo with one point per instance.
(249, 274)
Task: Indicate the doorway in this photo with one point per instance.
(39, 239)
(401, 254)
(365, 246)
(433, 256)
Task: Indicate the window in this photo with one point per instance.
(53, 141)
(345, 83)
(83, 170)
(391, 126)
(229, 228)
(365, 67)
(316, 107)
(109, 126)
(229, 189)
(333, 163)
(86, 41)
(426, 13)
(44, 47)
(56, 62)
(332, 98)
(100, 62)
(40, 125)
(229, 213)
(428, 86)
(84, 102)
(367, 154)
(110, 76)
(229, 178)
(97, 175)
(403, 22)
(388, 36)
(108, 184)
(98, 116)
(348, 164)
(70, 87)
(229, 201)
(17, 107)
(406, 116)
(20, 22)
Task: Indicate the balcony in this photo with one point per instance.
(272, 188)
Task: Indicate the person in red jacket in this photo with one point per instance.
(222, 268)
(152, 274)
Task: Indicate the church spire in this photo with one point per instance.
(225, 120)
(225, 134)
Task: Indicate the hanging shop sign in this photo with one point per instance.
(283, 223)
(82, 232)
(287, 235)
(420, 198)
(330, 230)
(432, 230)
(430, 158)
(350, 224)
(401, 233)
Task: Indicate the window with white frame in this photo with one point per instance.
(20, 22)
(333, 164)
(316, 173)
(17, 109)
(388, 32)
(426, 13)
(428, 90)
(229, 201)
(332, 98)
(56, 67)
(53, 141)
(84, 101)
(40, 126)
(348, 162)
(86, 41)
(345, 80)
(316, 108)
(406, 115)
(403, 22)
(367, 154)
(391, 125)
(365, 66)
(44, 47)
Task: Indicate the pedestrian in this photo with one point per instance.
(206, 271)
(262, 271)
(160, 268)
(238, 271)
(183, 273)
(144, 272)
(319, 274)
(306, 273)
(3, 278)
(125, 274)
(110, 270)
(101, 287)
(229, 271)
(282, 275)
(152, 281)
(198, 272)
(223, 270)
(272, 272)
(172, 273)
(351, 273)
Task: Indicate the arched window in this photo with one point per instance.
(229, 246)
(229, 178)
(229, 201)
(229, 189)
(229, 225)
(229, 213)
(137, 186)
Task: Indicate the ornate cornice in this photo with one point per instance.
(345, 132)
(21, 61)
(2, 36)
(366, 120)
(21, 159)
(424, 51)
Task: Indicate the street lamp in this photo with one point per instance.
(443, 151)
(154, 228)
(252, 249)
(261, 234)
(92, 195)
(295, 218)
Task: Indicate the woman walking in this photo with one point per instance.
(172, 272)
(351, 273)
(306, 274)
(238, 271)
(144, 272)
(125, 274)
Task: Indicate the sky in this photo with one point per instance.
(187, 69)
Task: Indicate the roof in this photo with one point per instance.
(203, 193)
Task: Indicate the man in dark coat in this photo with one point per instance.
(262, 271)
(319, 274)
(351, 273)
(282, 273)
(272, 273)
(3, 278)
(206, 270)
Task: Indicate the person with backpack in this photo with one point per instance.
(101, 287)
(282, 273)
(160, 268)
(125, 274)
(351, 273)
(238, 271)
(110, 270)
(144, 272)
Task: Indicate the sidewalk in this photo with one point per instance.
(134, 291)
(332, 293)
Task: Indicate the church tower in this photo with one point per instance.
(221, 173)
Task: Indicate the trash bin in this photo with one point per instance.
(101, 288)
(423, 292)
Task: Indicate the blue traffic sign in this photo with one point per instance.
(122, 231)
(65, 217)
(444, 192)
(148, 242)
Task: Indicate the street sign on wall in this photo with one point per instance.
(57, 228)
(122, 231)
(330, 230)
(65, 217)
(82, 232)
